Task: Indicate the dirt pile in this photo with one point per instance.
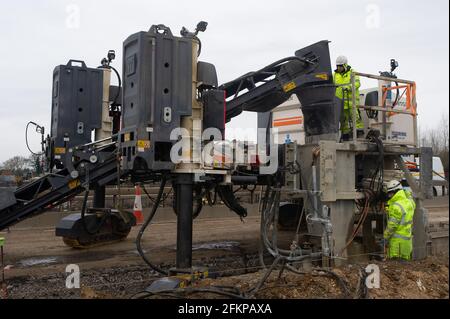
(425, 279)
(398, 280)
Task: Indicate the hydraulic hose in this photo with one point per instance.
(120, 84)
(119, 80)
(269, 68)
(270, 216)
(198, 201)
(26, 138)
(211, 202)
(397, 95)
(144, 227)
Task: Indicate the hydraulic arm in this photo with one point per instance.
(308, 74)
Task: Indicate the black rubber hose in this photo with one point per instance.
(266, 275)
(178, 292)
(145, 225)
(261, 246)
(119, 80)
(397, 96)
(269, 217)
(326, 272)
(211, 202)
(120, 84)
(227, 196)
(197, 200)
(85, 199)
(148, 195)
(199, 52)
(26, 139)
(274, 67)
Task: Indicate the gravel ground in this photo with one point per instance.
(37, 262)
(427, 279)
(116, 282)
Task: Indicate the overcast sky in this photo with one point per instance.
(242, 36)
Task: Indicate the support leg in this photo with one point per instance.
(99, 197)
(184, 204)
(342, 219)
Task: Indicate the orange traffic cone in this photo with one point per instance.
(137, 211)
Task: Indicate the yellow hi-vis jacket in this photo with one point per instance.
(344, 87)
(400, 213)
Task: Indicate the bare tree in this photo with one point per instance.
(437, 138)
(18, 165)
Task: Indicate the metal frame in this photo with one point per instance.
(411, 102)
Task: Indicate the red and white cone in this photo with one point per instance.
(137, 211)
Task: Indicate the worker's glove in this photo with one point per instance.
(349, 89)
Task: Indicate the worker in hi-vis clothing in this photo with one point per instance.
(400, 212)
(342, 80)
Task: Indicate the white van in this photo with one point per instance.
(438, 174)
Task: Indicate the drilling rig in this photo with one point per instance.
(167, 118)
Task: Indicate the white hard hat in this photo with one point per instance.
(392, 186)
(341, 60)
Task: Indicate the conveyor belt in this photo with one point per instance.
(49, 191)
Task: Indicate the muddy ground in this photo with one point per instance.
(36, 263)
(427, 279)
(36, 260)
(419, 279)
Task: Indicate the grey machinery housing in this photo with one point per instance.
(157, 93)
(76, 108)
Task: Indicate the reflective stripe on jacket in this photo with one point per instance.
(400, 217)
(409, 195)
(343, 81)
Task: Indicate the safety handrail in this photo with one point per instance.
(408, 87)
